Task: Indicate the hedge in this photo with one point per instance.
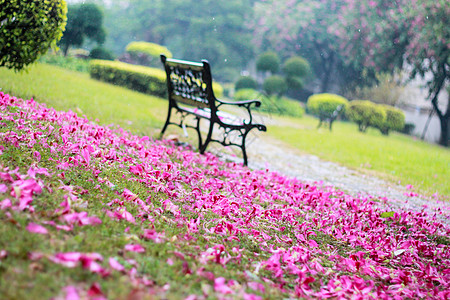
(326, 104)
(142, 79)
(395, 119)
(366, 114)
(272, 104)
(150, 49)
(139, 78)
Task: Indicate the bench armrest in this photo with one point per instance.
(240, 103)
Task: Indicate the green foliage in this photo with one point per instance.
(146, 54)
(387, 90)
(84, 20)
(268, 62)
(366, 114)
(325, 103)
(296, 66)
(272, 104)
(149, 49)
(139, 78)
(28, 29)
(275, 85)
(245, 82)
(395, 119)
(295, 69)
(143, 79)
(66, 62)
(101, 53)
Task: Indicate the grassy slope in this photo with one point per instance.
(397, 157)
(68, 90)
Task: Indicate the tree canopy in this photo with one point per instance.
(84, 20)
(28, 29)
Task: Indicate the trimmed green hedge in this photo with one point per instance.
(146, 48)
(142, 79)
(139, 78)
(366, 114)
(325, 104)
(395, 119)
(272, 104)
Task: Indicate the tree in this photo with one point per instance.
(84, 20)
(192, 29)
(383, 35)
(28, 29)
(306, 28)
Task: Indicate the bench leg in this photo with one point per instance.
(167, 122)
(199, 135)
(208, 137)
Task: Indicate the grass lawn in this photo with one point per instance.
(396, 157)
(94, 212)
(70, 90)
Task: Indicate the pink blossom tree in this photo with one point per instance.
(306, 28)
(384, 35)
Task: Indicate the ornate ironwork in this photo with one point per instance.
(190, 83)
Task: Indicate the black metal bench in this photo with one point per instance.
(330, 118)
(190, 93)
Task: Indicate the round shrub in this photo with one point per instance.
(218, 89)
(366, 114)
(275, 85)
(28, 29)
(245, 94)
(101, 53)
(325, 104)
(271, 104)
(395, 119)
(268, 61)
(149, 49)
(296, 66)
(245, 82)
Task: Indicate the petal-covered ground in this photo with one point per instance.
(91, 211)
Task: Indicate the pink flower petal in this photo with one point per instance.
(116, 265)
(134, 248)
(36, 228)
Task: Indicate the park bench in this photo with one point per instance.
(330, 118)
(190, 93)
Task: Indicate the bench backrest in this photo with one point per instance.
(189, 83)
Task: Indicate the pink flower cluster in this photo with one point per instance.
(298, 239)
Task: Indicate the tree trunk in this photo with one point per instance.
(444, 118)
(66, 49)
(445, 124)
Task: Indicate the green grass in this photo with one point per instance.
(396, 157)
(70, 90)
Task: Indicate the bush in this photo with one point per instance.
(101, 53)
(245, 82)
(296, 66)
(147, 54)
(325, 104)
(268, 61)
(142, 79)
(139, 78)
(366, 114)
(66, 62)
(271, 104)
(28, 29)
(275, 85)
(395, 119)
